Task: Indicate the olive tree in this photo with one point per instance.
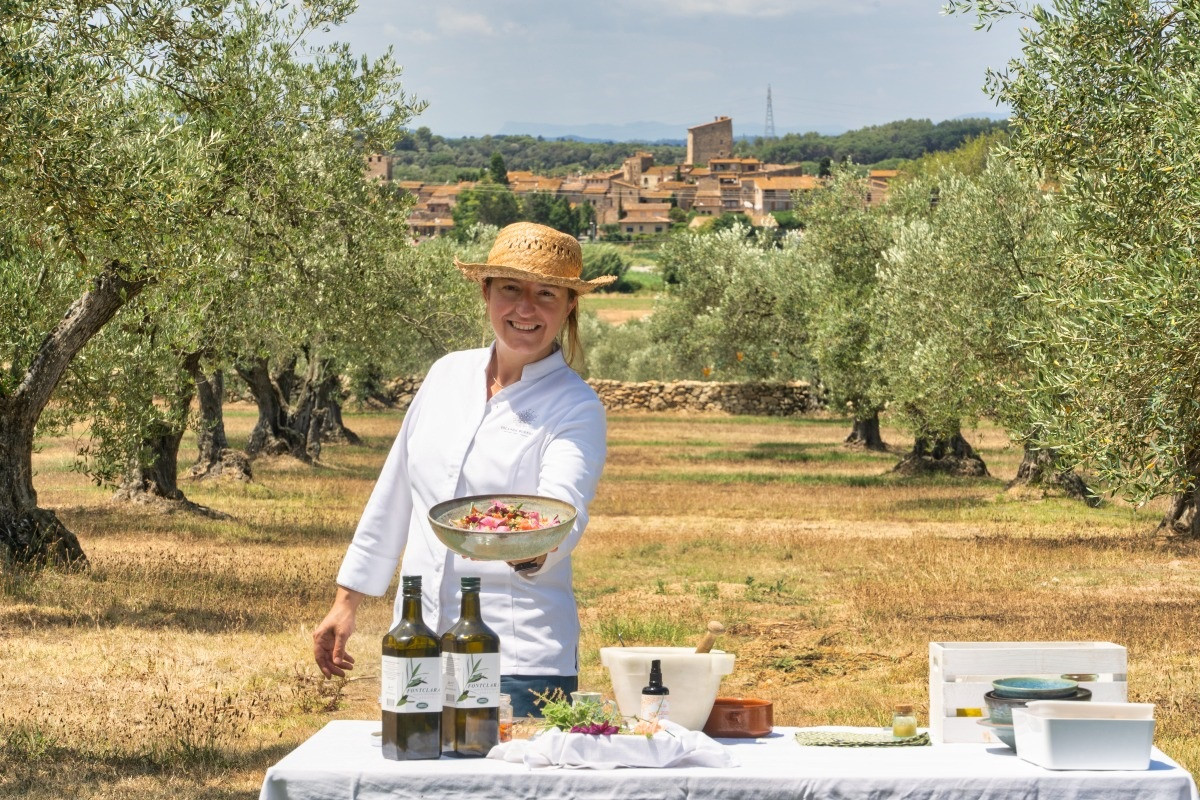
(133, 136)
(736, 310)
(956, 309)
(843, 244)
(1105, 96)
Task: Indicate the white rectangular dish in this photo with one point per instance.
(1094, 736)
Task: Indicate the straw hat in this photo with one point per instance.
(531, 252)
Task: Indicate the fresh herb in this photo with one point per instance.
(558, 712)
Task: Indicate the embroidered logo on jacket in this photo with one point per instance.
(521, 422)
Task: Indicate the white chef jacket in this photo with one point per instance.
(542, 435)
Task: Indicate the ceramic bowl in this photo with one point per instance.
(1004, 733)
(740, 717)
(1000, 707)
(1034, 688)
(501, 545)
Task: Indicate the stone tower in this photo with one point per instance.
(710, 140)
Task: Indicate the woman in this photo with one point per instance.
(513, 418)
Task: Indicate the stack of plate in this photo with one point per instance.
(1010, 693)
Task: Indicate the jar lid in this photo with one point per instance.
(904, 709)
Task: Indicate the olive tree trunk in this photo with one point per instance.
(1182, 517)
(865, 434)
(950, 455)
(214, 456)
(32, 536)
(1042, 468)
(296, 413)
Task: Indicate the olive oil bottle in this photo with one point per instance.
(411, 683)
(471, 676)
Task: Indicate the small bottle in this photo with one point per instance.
(904, 722)
(506, 718)
(471, 675)
(655, 705)
(411, 683)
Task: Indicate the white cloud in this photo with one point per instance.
(458, 22)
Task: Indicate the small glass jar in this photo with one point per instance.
(904, 722)
(506, 718)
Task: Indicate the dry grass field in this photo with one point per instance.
(180, 666)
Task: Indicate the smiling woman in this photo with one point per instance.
(513, 418)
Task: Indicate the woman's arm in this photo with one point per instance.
(571, 467)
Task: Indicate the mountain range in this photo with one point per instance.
(664, 133)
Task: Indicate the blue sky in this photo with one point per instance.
(483, 65)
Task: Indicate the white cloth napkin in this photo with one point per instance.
(674, 747)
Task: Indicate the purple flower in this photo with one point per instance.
(596, 729)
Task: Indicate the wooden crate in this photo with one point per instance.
(960, 673)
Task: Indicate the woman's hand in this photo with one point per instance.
(528, 565)
(331, 636)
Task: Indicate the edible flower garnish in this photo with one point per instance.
(501, 517)
(591, 718)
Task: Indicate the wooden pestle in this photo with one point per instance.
(706, 642)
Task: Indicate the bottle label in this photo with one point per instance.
(472, 680)
(655, 706)
(411, 685)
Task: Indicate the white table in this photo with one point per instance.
(343, 761)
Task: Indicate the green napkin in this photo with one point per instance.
(817, 738)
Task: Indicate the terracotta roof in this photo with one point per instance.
(800, 182)
(734, 161)
(453, 189)
(595, 190)
(648, 220)
(623, 183)
(410, 184)
(668, 185)
(656, 194)
(649, 208)
(884, 173)
(535, 183)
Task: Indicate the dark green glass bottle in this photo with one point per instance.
(411, 683)
(471, 675)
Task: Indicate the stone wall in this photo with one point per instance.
(750, 398)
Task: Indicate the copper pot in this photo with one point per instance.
(740, 717)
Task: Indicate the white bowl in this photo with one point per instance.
(692, 679)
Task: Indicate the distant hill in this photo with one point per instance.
(599, 132)
(565, 150)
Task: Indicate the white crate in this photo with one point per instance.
(961, 673)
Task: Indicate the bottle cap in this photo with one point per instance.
(904, 708)
(410, 581)
(469, 584)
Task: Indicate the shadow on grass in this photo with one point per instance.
(792, 452)
(65, 771)
(154, 616)
(883, 480)
(644, 419)
(94, 522)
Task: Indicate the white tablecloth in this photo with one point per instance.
(343, 761)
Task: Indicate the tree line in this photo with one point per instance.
(422, 155)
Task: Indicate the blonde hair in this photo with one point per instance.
(568, 337)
